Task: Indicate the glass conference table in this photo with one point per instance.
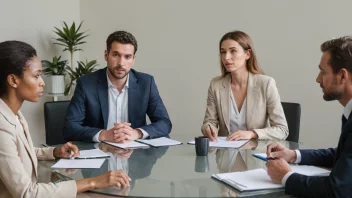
(173, 171)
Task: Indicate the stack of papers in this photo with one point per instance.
(128, 145)
(157, 142)
(258, 179)
(92, 153)
(222, 143)
(79, 163)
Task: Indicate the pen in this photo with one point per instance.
(72, 154)
(211, 130)
(44, 145)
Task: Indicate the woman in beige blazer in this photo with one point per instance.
(20, 80)
(242, 102)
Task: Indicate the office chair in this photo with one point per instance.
(293, 118)
(54, 114)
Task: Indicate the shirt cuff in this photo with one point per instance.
(96, 137)
(145, 134)
(284, 179)
(298, 157)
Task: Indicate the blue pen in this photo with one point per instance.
(263, 158)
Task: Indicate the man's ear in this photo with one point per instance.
(106, 54)
(344, 75)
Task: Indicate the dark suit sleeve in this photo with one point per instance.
(75, 115)
(160, 122)
(320, 157)
(337, 184)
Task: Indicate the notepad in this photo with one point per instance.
(132, 144)
(309, 170)
(91, 154)
(222, 143)
(79, 163)
(258, 179)
(163, 141)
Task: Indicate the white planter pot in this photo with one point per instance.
(57, 84)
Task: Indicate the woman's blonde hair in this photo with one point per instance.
(246, 43)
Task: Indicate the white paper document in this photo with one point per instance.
(132, 144)
(258, 179)
(92, 153)
(79, 163)
(163, 141)
(309, 170)
(222, 143)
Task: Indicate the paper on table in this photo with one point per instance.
(163, 141)
(222, 143)
(301, 169)
(309, 170)
(79, 163)
(92, 153)
(256, 179)
(132, 144)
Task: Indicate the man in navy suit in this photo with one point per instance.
(111, 104)
(335, 79)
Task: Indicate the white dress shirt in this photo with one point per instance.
(346, 112)
(118, 107)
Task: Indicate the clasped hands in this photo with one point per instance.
(120, 133)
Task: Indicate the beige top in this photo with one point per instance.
(264, 112)
(19, 161)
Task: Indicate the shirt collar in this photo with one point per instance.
(347, 110)
(113, 86)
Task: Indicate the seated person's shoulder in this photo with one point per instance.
(263, 79)
(7, 128)
(91, 78)
(216, 81)
(142, 77)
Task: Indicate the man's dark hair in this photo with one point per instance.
(340, 50)
(14, 56)
(122, 37)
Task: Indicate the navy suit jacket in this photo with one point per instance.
(339, 182)
(88, 111)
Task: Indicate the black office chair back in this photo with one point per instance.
(293, 118)
(54, 114)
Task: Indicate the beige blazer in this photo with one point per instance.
(19, 161)
(264, 113)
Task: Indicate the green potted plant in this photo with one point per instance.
(70, 38)
(82, 69)
(55, 71)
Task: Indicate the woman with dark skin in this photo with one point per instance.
(20, 80)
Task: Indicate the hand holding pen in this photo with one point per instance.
(277, 151)
(212, 134)
(67, 150)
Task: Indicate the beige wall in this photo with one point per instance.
(33, 22)
(178, 44)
